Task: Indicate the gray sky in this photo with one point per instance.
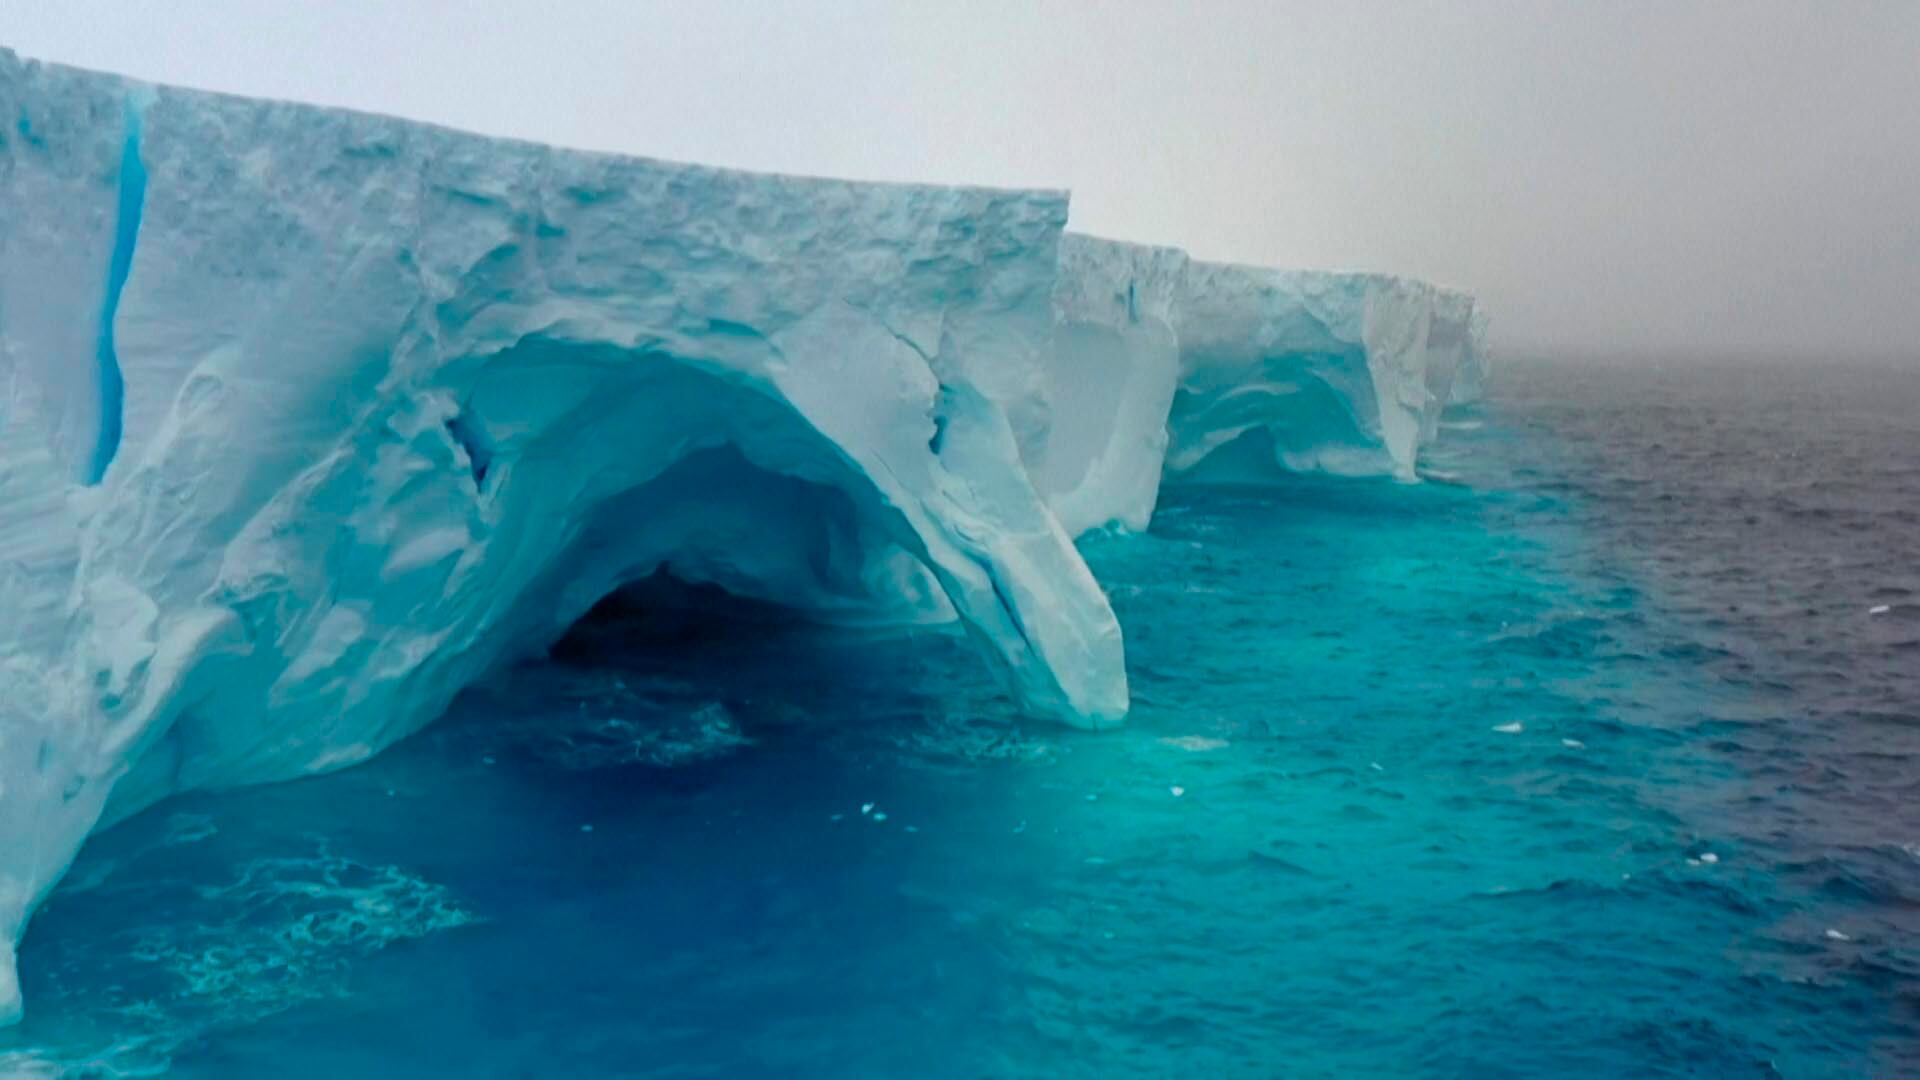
(1632, 176)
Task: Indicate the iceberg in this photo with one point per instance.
(1166, 369)
(312, 417)
(1305, 371)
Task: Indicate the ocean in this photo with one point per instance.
(1597, 752)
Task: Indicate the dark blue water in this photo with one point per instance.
(1589, 754)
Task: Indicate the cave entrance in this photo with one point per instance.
(664, 674)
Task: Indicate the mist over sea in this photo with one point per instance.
(1596, 752)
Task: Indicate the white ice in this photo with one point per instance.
(308, 418)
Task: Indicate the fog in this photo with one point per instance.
(1623, 177)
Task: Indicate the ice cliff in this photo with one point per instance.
(1167, 369)
(308, 418)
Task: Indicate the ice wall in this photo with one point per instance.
(1167, 369)
(1303, 370)
(1110, 380)
(307, 418)
(1470, 385)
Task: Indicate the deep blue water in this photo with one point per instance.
(1587, 755)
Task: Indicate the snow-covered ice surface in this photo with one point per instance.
(311, 418)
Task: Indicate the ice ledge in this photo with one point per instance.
(310, 417)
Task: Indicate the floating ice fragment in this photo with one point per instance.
(1573, 744)
(1709, 858)
(1091, 797)
(1177, 790)
(1375, 766)
(1195, 743)
(1514, 728)
(866, 808)
(1879, 609)
(880, 815)
(1837, 935)
(1693, 862)
(836, 817)
(188, 829)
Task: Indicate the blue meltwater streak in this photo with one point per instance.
(1415, 784)
(132, 201)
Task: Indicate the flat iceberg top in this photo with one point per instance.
(311, 417)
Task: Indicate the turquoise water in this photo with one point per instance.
(1420, 780)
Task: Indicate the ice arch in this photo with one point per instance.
(1167, 369)
(1303, 370)
(388, 403)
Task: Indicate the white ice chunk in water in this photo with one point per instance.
(1195, 743)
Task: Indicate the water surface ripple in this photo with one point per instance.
(1588, 755)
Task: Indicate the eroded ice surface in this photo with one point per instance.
(311, 417)
(1166, 368)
